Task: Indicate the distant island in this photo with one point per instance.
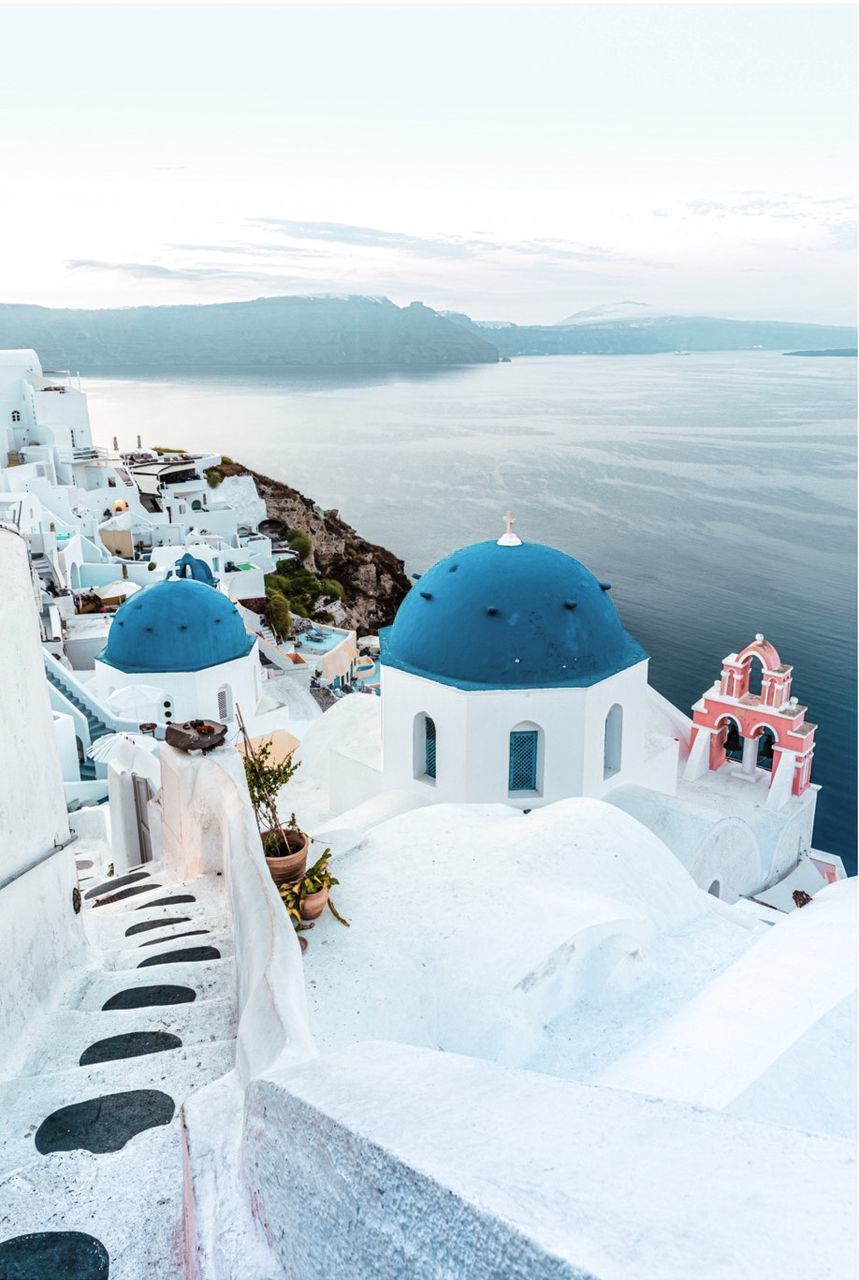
(830, 351)
(274, 334)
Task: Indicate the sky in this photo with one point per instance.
(515, 162)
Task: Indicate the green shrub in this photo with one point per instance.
(278, 614)
(214, 476)
(163, 448)
(301, 543)
(332, 587)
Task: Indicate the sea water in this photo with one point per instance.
(715, 492)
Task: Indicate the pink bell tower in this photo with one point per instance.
(729, 711)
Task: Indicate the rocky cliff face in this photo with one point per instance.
(373, 579)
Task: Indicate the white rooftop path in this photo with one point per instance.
(746, 1019)
(474, 928)
(130, 1199)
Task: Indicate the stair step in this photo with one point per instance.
(74, 1030)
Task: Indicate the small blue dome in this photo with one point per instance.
(509, 617)
(176, 625)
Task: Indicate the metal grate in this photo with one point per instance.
(523, 760)
(429, 747)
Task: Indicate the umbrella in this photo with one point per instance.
(140, 702)
(110, 745)
(112, 590)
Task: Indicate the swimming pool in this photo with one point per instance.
(319, 639)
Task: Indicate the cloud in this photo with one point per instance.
(372, 237)
(842, 235)
(195, 275)
(756, 205)
(247, 248)
(457, 247)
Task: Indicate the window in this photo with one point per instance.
(196, 505)
(16, 416)
(613, 742)
(225, 704)
(424, 748)
(429, 747)
(523, 760)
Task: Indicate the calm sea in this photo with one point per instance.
(715, 492)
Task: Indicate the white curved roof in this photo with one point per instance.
(474, 927)
(23, 359)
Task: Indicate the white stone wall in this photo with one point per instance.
(194, 693)
(40, 935)
(473, 738)
(408, 1163)
(32, 807)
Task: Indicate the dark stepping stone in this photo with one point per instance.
(85, 864)
(167, 902)
(125, 893)
(189, 933)
(146, 997)
(146, 925)
(132, 1045)
(117, 883)
(104, 1124)
(53, 1255)
(180, 957)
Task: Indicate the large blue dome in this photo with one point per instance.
(175, 625)
(518, 616)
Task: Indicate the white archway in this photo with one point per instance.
(613, 742)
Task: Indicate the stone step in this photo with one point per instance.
(72, 1031)
(212, 980)
(26, 1103)
(130, 1201)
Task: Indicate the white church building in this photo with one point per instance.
(186, 643)
(508, 677)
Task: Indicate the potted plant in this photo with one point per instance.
(284, 844)
(308, 897)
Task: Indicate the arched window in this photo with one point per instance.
(733, 738)
(766, 742)
(613, 742)
(524, 759)
(225, 704)
(16, 416)
(425, 748)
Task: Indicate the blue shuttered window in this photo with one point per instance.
(429, 747)
(523, 760)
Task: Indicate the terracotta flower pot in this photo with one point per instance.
(313, 905)
(289, 867)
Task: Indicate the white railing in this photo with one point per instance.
(71, 684)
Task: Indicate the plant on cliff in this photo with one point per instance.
(214, 475)
(300, 543)
(333, 588)
(278, 613)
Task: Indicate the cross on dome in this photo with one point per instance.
(508, 537)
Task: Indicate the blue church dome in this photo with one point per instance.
(515, 616)
(176, 625)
